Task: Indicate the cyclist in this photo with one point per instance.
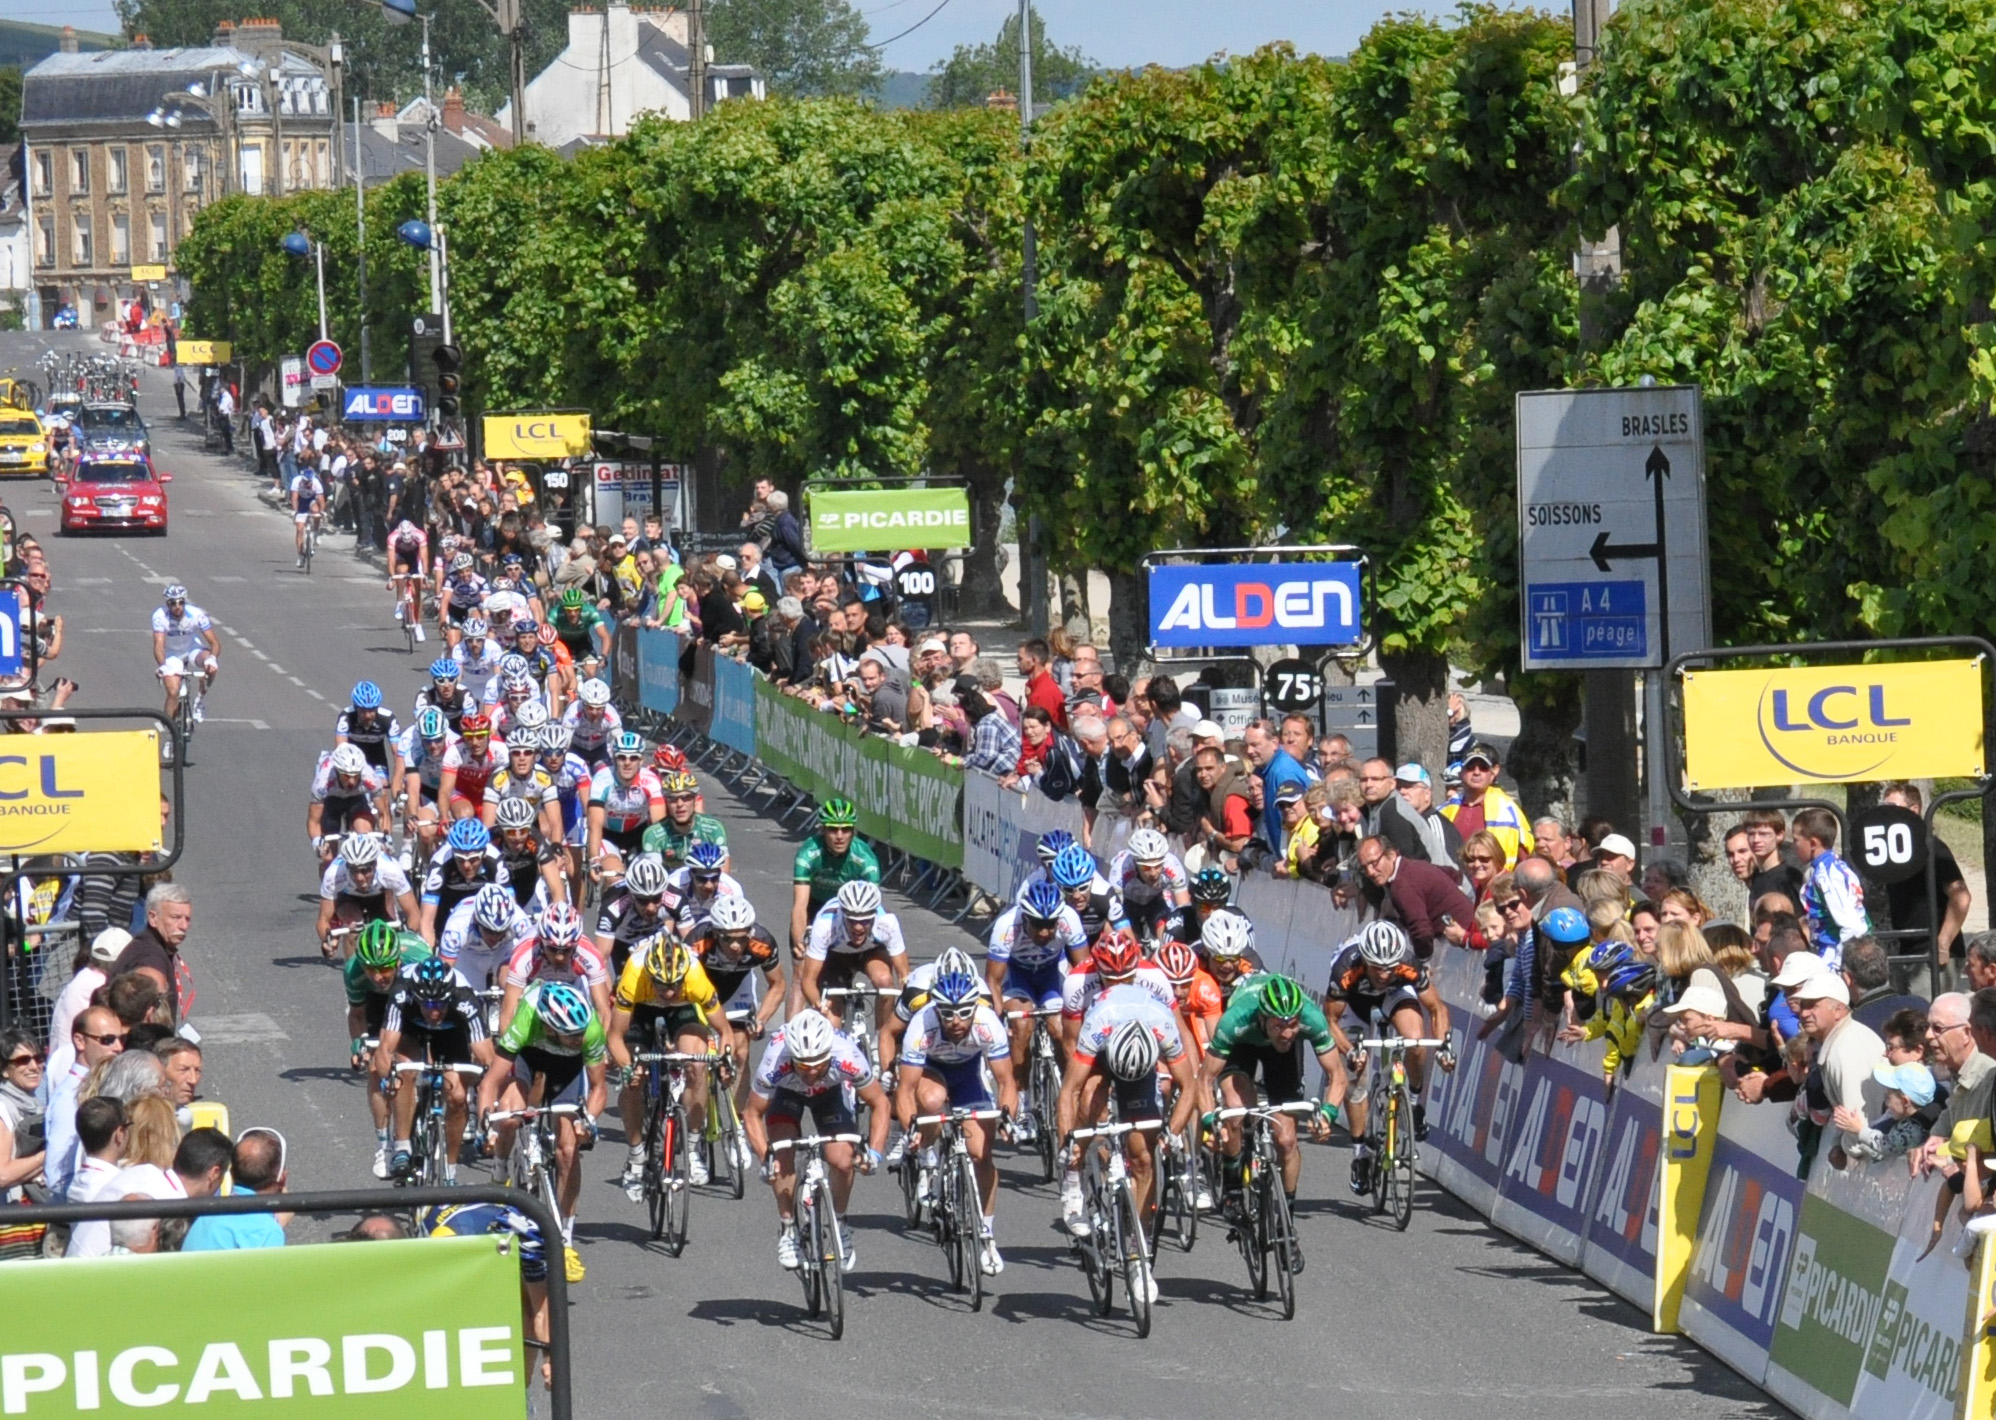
(828, 859)
(553, 1052)
(1263, 1031)
(695, 888)
(1114, 960)
(811, 1065)
(524, 779)
(624, 800)
(467, 862)
(664, 996)
(732, 948)
(1032, 945)
(1211, 890)
(1375, 977)
(634, 911)
(408, 556)
(183, 639)
(422, 755)
(505, 606)
(307, 497)
(955, 1052)
(1151, 881)
(683, 825)
(362, 886)
(571, 776)
(580, 625)
(1116, 1056)
(349, 795)
(1087, 891)
(556, 953)
(519, 706)
(544, 664)
(1227, 939)
(468, 1220)
(852, 935)
(367, 724)
(529, 864)
(512, 667)
(469, 766)
(1199, 1009)
(478, 653)
(432, 1016)
(483, 934)
(592, 721)
(561, 681)
(370, 977)
(463, 593)
(446, 692)
(1049, 847)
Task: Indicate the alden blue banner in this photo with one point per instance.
(733, 723)
(397, 405)
(1255, 604)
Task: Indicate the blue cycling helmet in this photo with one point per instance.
(445, 668)
(463, 1220)
(525, 629)
(1565, 925)
(1052, 842)
(1041, 903)
(1609, 955)
(1634, 979)
(367, 696)
(563, 1009)
(953, 988)
(706, 857)
(1073, 867)
(430, 724)
(468, 835)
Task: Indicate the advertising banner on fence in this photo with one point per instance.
(1622, 1218)
(624, 675)
(1552, 1154)
(887, 519)
(733, 722)
(1470, 1111)
(1833, 724)
(422, 1329)
(696, 706)
(1001, 828)
(74, 794)
(1690, 1129)
(1979, 1371)
(1746, 1232)
(1255, 604)
(658, 671)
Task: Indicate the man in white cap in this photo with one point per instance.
(1846, 1049)
(105, 948)
(1414, 784)
(1616, 854)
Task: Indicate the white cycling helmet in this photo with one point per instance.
(513, 666)
(1227, 934)
(1132, 1051)
(532, 715)
(732, 913)
(956, 959)
(347, 759)
(461, 563)
(645, 876)
(859, 898)
(360, 850)
(513, 812)
(1384, 944)
(808, 1037)
(1147, 845)
(494, 908)
(594, 694)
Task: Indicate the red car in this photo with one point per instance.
(115, 491)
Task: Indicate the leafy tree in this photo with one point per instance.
(803, 48)
(974, 72)
(10, 104)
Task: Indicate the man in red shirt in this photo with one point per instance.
(1041, 688)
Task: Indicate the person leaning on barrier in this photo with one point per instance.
(256, 1166)
(198, 1165)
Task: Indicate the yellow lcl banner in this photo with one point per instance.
(94, 793)
(201, 352)
(1833, 724)
(536, 436)
(1690, 1124)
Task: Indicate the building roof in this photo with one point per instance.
(124, 85)
(383, 157)
(670, 60)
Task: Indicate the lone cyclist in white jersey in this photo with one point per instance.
(183, 639)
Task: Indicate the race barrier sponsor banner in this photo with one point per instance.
(73, 794)
(733, 722)
(1978, 1371)
(1621, 1236)
(425, 1328)
(1551, 1155)
(658, 671)
(1833, 724)
(1001, 831)
(696, 706)
(1690, 1126)
(1469, 1111)
(887, 519)
(624, 674)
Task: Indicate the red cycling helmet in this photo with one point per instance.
(1178, 962)
(668, 759)
(474, 723)
(1116, 953)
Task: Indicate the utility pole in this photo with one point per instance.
(1032, 563)
(510, 20)
(360, 226)
(430, 164)
(696, 56)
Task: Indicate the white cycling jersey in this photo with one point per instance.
(465, 946)
(325, 785)
(850, 1070)
(337, 880)
(1123, 875)
(925, 1044)
(185, 634)
(1011, 942)
(1084, 988)
(828, 935)
(1123, 1002)
(589, 735)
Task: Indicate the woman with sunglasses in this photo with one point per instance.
(21, 1134)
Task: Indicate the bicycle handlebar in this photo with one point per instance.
(1118, 1129)
(1403, 1042)
(777, 1146)
(647, 1057)
(1297, 1107)
(1037, 1013)
(532, 1111)
(958, 1116)
(417, 1067)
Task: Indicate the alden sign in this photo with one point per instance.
(1255, 604)
(1833, 724)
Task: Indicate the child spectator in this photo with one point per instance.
(1908, 1090)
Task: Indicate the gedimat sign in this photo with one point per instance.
(89, 793)
(537, 436)
(888, 519)
(1833, 724)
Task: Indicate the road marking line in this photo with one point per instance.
(313, 693)
(276, 667)
(234, 720)
(91, 581)
(293, 679)
(258, 654)
(228, 579)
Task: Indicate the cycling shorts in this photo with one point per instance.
(1043, 985)
(180, 665)
(841, 968)
(831, 1111)
(448, 1044)
(966, 1083)
(678, 1020)
(1281, 1070)
(627, 841)
(1384, 1007)
(375, 1010)
(562, 1075)
(1137, 1100)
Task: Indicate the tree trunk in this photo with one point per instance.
(1420, 718)
(982, 594)
(1545, 758)
(1128, 625)
(1074, 614)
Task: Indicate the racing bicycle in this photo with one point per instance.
(1043, 1082)
(429, 1136)
(405, 584)
(1389, 1123)
(815, 1227)
(667, 1183)
(1113, 1244)
(955, 1205)
(1265, 1228)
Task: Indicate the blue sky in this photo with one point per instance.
(1117, 33)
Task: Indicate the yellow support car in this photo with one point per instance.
(24, 443)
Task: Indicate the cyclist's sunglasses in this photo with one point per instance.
(957, 1015)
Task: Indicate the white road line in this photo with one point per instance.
(313, 693)
(233, 720)
(91, 581)
(293, 679)
(276, 667)
(258, 654)
(228, 579)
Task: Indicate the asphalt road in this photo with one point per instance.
(1442, 1321)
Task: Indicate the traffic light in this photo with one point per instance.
(449, 361)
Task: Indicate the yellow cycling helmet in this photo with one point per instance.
(667, 961)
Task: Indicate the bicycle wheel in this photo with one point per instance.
(805, 1226)
(1401, 1161)
(1282, 1243)
(655, 1183)
(969, 1211)
(831, 1260)
(731, 1141)
(1254, 1232)
(949, 1222)
(678, 1195)
(1046, 1091)
(1194, 1180)
(1379, 1131)
(1135, 1256)
(1095, 1250)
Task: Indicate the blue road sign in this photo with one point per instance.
(1587, 620)
(10, 637)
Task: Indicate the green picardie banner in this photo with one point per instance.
(1835, 1299)
(425, 1328)
(907, 797)
(887, 519)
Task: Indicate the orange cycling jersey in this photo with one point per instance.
(1354, 981)
(1203, 1006)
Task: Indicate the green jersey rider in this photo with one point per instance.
(828, 860)
(378, 958)
(682, 826)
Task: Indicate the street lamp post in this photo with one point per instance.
(301, 245)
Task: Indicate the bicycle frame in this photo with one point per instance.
(1114, 1215)
(815, 1224)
